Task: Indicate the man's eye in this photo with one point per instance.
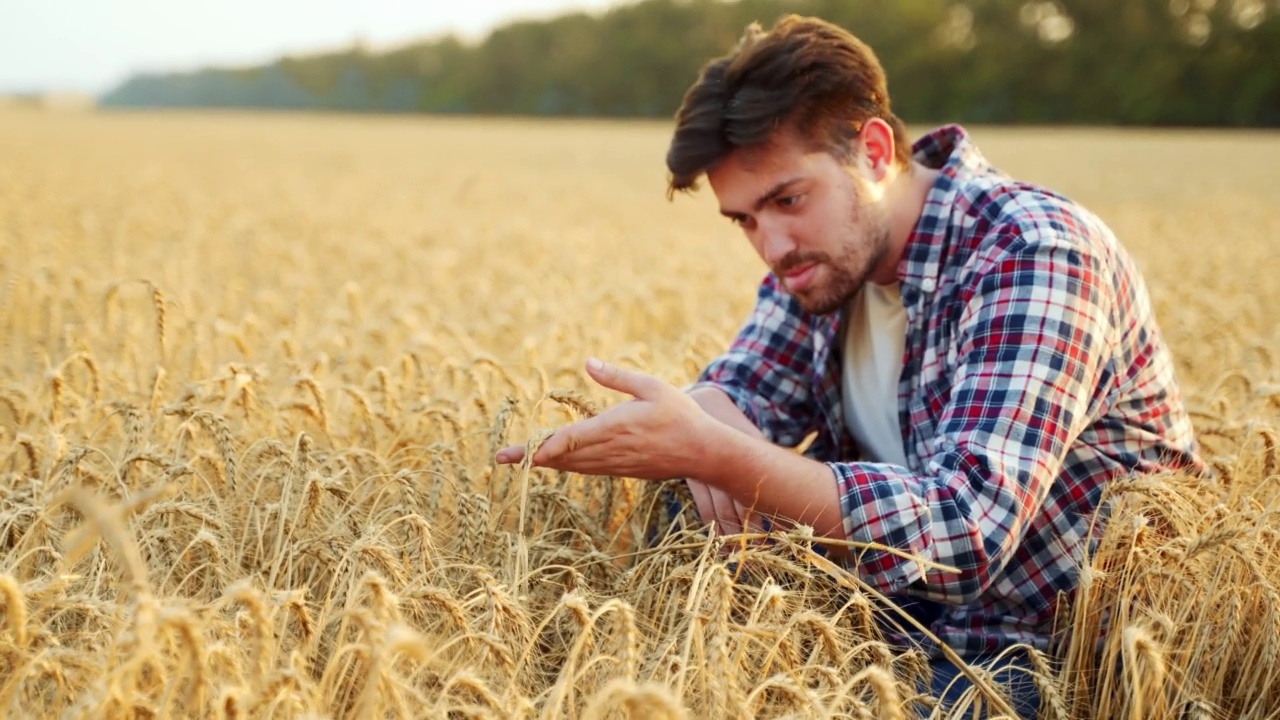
(789, 201)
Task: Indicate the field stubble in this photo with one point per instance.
(253, 370)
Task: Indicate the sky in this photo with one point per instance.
(89, 46)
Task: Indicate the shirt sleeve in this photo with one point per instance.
(1031, 342)
(768, 370)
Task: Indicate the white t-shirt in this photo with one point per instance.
(874, 341)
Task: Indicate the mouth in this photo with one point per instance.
(799, 277)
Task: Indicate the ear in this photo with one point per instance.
(876, 142)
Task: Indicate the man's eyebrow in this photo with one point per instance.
(764, 199)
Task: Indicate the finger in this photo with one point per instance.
(572, 438)
(512, 454)
(702, 500)
(750, 519)
(593, 460)
(632, 382)
(726, 515)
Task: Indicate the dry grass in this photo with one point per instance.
(253, 371)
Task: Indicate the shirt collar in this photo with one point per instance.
(950, 150)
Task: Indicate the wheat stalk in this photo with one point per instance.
(201, 556)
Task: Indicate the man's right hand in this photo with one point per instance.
(716, 506)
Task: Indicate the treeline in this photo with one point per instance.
(1149, 62)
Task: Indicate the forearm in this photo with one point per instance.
(772, 480)
(717, 404)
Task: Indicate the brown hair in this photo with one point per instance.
(806, 73)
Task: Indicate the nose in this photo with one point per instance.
(773, 241)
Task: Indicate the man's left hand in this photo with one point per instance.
(658, 435)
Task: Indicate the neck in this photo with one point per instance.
(904, 202)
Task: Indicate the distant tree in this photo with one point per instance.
(1151, 62)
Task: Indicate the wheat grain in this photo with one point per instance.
(260, 626)
(445, 601)
(726, 693)
(187, 627)
(157, 388)
(1269, 452)
(217, 426)
(645, 700)
(363, 405)
(501, 423)
(473, 520)
(15, 609)
(57, 387)
(317, 396)
(385, 388)
(15, 410)
(157, 302)
(583, 407)
(28, 446)
(1146, 670)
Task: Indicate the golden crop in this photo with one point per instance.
(253, 371)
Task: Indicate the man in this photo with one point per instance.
(978, 356)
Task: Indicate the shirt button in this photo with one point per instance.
(927, 285)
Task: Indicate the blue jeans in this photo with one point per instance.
(1011, 672)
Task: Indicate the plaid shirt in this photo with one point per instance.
(1034, 372)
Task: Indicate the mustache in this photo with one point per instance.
(796, 259)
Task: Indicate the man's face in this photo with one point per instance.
(820, 226)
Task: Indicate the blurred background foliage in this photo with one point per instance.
(1133, 62)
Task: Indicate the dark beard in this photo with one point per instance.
(845, 275)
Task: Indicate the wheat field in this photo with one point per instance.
(254, 368)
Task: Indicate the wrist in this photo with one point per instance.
(710, 440)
